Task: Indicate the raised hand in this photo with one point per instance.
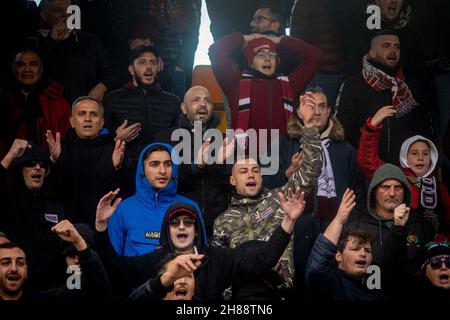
(118, 153)
(105, 210)
(17, 149)
(401, 215)
(293, 207)
(348, 202)
(296, 160)
(381, 114)
(67, 232)
(127, 134)
(180, 267)
(201, 154)
(307, 105)
(98, 92)
(226, 150)
(54, 145)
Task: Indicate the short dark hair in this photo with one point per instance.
(24, 49)
(276, 12)
(138, 51)
(10, 245)
(162, 265)
(361, 236)
(156, 147)
(83, 98)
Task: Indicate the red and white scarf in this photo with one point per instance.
(402, 99)
(245, 85)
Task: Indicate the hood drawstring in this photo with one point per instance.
(379, 232)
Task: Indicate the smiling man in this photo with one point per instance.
(30, 103)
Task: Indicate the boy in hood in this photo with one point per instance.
(135, 228)
(182, 232)
(418, 160)
(389, 189)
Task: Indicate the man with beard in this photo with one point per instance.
(383, 82)
(139, 110)
(203, 183)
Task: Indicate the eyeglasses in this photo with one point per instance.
(266, 55)
(187, 222)
(436, 262)
(32, 164)
(257, 19)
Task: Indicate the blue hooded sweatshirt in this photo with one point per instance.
(135, 227)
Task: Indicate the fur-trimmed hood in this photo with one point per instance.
(294, 129)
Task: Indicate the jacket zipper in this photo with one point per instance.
(270, 104)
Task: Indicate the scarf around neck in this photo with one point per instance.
(245, 85)
(402, 99)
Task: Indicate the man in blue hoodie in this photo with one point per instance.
(135, 227)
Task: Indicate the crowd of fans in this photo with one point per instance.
(91, 177)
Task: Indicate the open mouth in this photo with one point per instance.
(182, 237)
(267, 67)
(202, 112)
(392, 10)
(181, 293)
(13, 278)
(444, 278)
(87, 126)
(161, 180)
(36, 176)
(392, 58)
(360, 263)
(148, 74)
(251, 184)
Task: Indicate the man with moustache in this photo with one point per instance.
(140, 109)
(384, 81)
(206, 184)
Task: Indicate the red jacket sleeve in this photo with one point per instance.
(310, 58)
(223, 66)
(367, 156)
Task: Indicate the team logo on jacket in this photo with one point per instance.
(264, 214)
(412, 240)
(152, 235)
(52, 218)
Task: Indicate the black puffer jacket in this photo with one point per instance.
(155, 110)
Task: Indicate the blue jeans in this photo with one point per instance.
(330, 84)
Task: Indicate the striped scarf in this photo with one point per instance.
(245, 85)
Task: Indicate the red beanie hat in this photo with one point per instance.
(258, 44)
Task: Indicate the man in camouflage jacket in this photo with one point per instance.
(255, 211)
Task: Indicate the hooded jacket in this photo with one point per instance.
(255, 218)
(220, 267)
(135, 227)
(429, 197)
(419, 231)
(267, 110)
(27, 217)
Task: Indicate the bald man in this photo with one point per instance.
(205, 184)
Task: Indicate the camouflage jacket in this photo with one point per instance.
(257, 217)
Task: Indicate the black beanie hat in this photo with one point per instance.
(440, 246)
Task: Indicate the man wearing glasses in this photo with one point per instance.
(267, 20)
(259, 96)
(28, 213)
